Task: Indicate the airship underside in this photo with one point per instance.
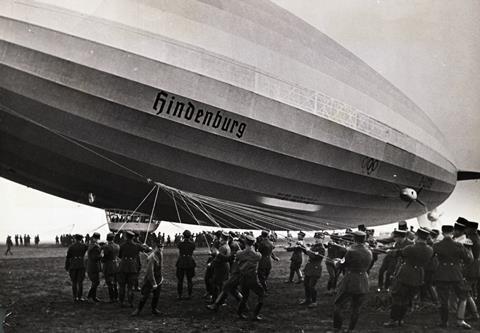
(95, 103)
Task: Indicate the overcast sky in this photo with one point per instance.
(428, 49)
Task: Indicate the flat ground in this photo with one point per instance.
(36, 290)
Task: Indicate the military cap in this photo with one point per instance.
(129, 234)
(318, 235)
(110, 236)
(218, 233)
(459, 226)
(435, 232)
(225, 234)
(471, 225)
(423, 233)
(359, 236)
(187, 233)
(78, 236)
(265, 232)
(250, 239)
(402, 225)
(96, 235)
(399, 233)
(361, 227)
(301, 233)
(446, 229)
(462, 220)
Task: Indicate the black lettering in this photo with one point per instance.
(178, 109)
(160, 99)
(199, 115)
(208, 117)
(226, 124)
(241, 130)
(217, 120)
(170, 105)
(234, 124)
(189, 111)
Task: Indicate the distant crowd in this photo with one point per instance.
(20, 240)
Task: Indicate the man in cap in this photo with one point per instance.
(296, 258)
(402, 225)
(128, 269)
(248, 261)
(221, 265)
(335, 252)
(110, 266)
(313, 270)
(265, 246)
(471, 233)
(75, 265)
(185, 264)
(153, 279)
(354, 286)
(94, 266)
(448, 276)
(410, 276)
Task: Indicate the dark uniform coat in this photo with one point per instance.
(357, 262)
(415, 258)
(75, 256)
(129, 251)
(185, 259)
(94, 258)
(265, 248)
(297, 255)
(450, 256)
(315, 257)
(110, 258)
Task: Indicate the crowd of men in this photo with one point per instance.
(417, 266)
(20, 240)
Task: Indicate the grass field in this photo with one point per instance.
(36, 290)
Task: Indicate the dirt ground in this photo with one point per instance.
(35, 290)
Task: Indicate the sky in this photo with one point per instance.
(428, 49)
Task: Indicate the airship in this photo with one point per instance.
(232, 110)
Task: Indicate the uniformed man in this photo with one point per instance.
(153, 279)
(221, 265)
(185, 264)
(410, 275)
(9, 245)
(354, 285)
(402, 225)
(335, 252)
(471, 233)
(128, 269)
(265, 247)
(110, 266)
(313, 270)
(94, 266)
(448, 276)
(248, 261)
(75, 265)
(470, 273)
(296, 259)
(230, 286)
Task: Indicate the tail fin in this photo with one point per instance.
(467, 175)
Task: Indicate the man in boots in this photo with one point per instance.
(153, 280)
(185, 264)
(110, 266)
(75, 265)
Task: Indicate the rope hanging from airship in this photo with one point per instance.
(216, 210)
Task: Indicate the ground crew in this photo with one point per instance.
(448, 276)
(334, 251)
(185, 264)
(110, 266)
(248, 261)
(265, 247)
(74, 264)
(221, 265)
(313, 270)
(296, 258)
(354, 286)
(153, 279)
(9, 246)
(128, 269)
(410, 275)
(94, 266)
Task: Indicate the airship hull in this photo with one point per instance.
(70, 127)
